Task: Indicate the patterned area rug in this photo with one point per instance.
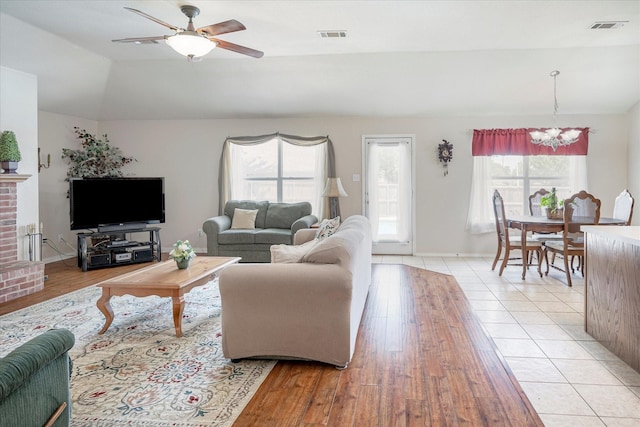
(139, 373)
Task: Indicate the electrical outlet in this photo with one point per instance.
(60, 238)
(200, 232)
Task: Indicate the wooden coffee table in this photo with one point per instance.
(163, 279)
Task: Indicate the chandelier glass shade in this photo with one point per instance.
(190, 44)
(555, 137)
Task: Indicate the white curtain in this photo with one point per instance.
(373, 163)
(578, 174)
(404, 182)
(480, 218)
(228, 176)
(320, 180)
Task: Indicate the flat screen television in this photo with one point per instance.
(116, 203)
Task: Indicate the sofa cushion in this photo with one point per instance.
(339, 247)
(244, 218)
(290, 253)
(231, 237)
(327, 227)
(261, 206)
(273, 236)
(283, 215)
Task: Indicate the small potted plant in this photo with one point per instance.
(553, 205)
(182, 253)
(9, 152)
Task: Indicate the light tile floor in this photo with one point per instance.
(538, 326)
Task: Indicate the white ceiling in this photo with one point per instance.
(400, 58)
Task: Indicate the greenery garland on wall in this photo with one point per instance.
(96, 158)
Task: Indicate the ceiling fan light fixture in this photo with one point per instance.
(190, 44)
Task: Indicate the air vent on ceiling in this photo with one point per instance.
(337, 34)
(607, 25)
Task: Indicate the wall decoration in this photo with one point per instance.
(95, 159)
(445, 155)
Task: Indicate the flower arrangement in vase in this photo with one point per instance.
(553, 205)
(182, 253)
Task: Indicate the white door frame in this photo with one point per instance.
(392, 248)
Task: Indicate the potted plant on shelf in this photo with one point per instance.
(9, 152)
(554, 206)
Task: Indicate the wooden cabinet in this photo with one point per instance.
(612, 289)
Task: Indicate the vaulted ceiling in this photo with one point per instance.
(400, 58)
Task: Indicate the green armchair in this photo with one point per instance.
(34, 382)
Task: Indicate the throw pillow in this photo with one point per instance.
(290, 253)
(244, 218)
(327, 228)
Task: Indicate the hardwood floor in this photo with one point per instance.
(421, 359)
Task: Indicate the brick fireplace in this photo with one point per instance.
(17, 278)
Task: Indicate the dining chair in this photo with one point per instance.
(535, 209)
(534, 202)
(580, 204)
(623, 207)
(508, 242)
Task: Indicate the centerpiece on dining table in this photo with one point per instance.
(554, 207)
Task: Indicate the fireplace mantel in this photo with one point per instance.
(13, 177)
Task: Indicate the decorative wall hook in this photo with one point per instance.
(42, 165)
(445, 154)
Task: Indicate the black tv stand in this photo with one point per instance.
(103, 249)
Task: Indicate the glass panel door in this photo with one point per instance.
(388, 193)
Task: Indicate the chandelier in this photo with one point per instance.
(554, 137)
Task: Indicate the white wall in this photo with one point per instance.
(19, 113)
(187, 154)
(55, 133)
(633, 156)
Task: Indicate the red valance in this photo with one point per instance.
(517, 142)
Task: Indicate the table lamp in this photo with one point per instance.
(333, 189)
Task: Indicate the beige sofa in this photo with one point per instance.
(305, 310)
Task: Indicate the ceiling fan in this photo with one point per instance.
(195, 42)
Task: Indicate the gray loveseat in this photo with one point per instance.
(276, 223)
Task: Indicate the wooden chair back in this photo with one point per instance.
(501, 220)
(623, 207)
(580, 204)
(534, 202)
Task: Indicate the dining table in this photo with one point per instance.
(542, 224)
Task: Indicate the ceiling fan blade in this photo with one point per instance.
(139, 39)
(222, 28)
(237, 48)
(156, 20)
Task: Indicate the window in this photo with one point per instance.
(278, 171)
(506, 160)
(517, 177)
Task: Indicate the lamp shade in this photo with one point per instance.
(190, 43)
(334, 188)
